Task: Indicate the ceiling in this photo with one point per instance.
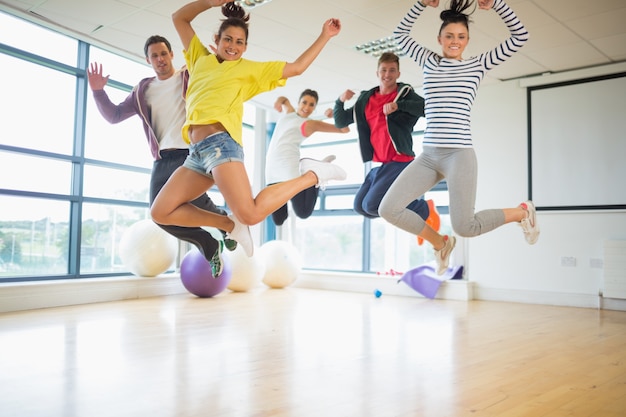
(564, 35)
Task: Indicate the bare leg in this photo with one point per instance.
(430, 235)
(232, 180)
(516, 214)
(511, 215)
(172, 205)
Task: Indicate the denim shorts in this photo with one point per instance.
(212, 151)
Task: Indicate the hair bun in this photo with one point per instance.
(234, 10)
(448, 14)
(457, 11)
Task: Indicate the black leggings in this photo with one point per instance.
(303, 205)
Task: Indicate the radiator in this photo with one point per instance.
(615, 269)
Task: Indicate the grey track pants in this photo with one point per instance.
(460, 169)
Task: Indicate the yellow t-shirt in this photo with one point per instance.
(217, 91)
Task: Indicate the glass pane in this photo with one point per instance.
(249, 150)
(217, 197)
(402, 250)
(423, 254)
(33, 38)
(322, 138)
(338, 202)
(420, 126)
(102, 229)
(249, 114)
(117, 184)
(123, 143)
(417, 140)
(441, 198)
(121, 69)
(34, 237)
(348, 157)
(333, 243)
(47, 99)
(16, 173)
(394, 249)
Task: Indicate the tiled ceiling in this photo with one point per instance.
(565, 35)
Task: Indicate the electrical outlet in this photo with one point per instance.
(596, 263)
(568, 261)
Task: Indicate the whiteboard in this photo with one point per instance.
(577, 144)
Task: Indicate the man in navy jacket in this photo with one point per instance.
(384, 117)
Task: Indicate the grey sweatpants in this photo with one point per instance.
(460, 169)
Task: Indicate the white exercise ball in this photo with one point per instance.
(283, 263)
(247, 272)
(146, 249)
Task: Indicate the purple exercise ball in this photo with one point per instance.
(196, 275)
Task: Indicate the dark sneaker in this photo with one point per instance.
(217, 262)
(230, 244)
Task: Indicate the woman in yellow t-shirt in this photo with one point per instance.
(219, 84)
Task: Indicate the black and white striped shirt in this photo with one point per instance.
(450, 85)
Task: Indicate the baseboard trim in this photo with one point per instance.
(33, 295)
(537, 297)
(461, 290)
(613, 304)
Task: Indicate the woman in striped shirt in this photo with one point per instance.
(450, 86)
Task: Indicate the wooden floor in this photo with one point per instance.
(311, 353)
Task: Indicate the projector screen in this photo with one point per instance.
(577, 144)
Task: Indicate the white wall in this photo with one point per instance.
(501, 264)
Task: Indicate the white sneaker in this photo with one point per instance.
(529, 224)
(241, 233)
(442, 256)
(324, 171)
(329, 158)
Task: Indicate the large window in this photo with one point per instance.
(71, 183)
(40, 107)
(34, 236)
